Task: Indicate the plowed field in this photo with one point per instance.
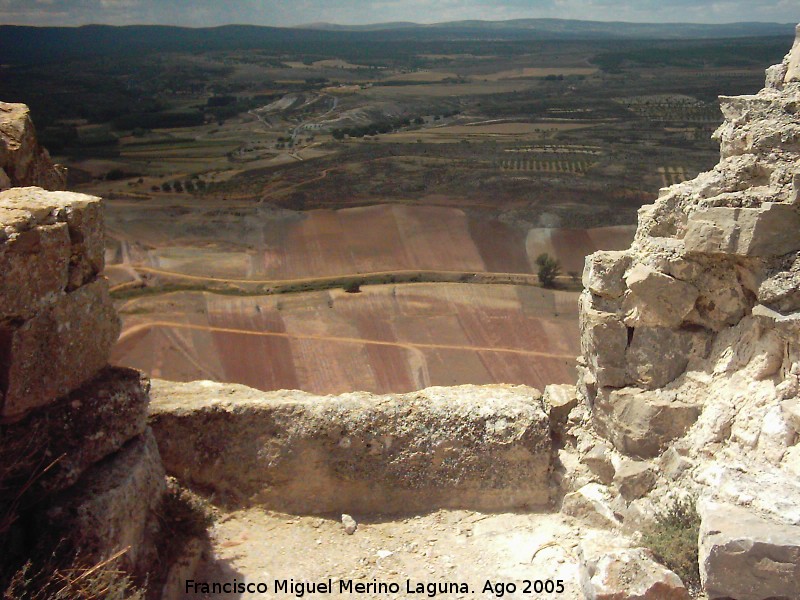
(387, 338)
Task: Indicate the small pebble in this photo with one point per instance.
(349, 524)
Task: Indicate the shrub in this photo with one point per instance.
(673, 540)
(549, 269)
(352, 287)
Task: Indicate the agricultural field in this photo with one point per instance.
(386, 338)
(247, 188)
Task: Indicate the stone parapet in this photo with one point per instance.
(480, 447)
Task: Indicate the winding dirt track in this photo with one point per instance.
(344, 340)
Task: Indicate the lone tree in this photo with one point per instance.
(549, 269)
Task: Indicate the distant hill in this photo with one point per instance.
(22, 44)
(584, 29)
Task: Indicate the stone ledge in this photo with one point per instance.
(111, 508)
(92, 422)
(57, 350)
(480, 447)
(25, 209)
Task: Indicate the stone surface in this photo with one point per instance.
(630, 574)
(482, 447)
(643, 423)
(559, 400)
(658, 355)
(32, 237)
(349, 524)
(793, 60)
(92, 422)
(591, 504)
(767, 231)
(57, 350)
(22, 161)
(112, 507)
(634, 478)
(604, 271)
(781, 290)
(598, 459)
(657, 299)
(746, 556)
(35, 268)
(604, 339)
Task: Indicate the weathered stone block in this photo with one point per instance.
(658, 355)
(559, 400)
(629, 574)
(657, 299)
(598, 459)
(634, 478)
(746, 556)
(482, 447)
(112, 508)
(604, 338)
(591, 504)
(24, 209)
(92, 422)
(603, 273)
(770, 230)
(35, 269)
(793, 68)
(642, 423)
(22, 160)
(57, 350)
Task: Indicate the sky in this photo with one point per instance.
(199, 13)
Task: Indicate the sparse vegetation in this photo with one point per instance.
(549, 269)
(673, 540)
(101, 581)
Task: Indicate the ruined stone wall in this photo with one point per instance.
(23, 161)
(79, 468)
(690, 346)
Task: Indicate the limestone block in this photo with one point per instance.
(770, 230)
(603, 273)
(674, 463)
(634, 478)
(791, 411)
(598, 459)
(5, 180)
(592, 505)
(657, 355)
(746, 556)
(92, 422)
(21, 157)
(781, 291)
(604, 339)
(559, 400)
(793, 68)
(630, 574)
(57, 350)
(642, 423)
(22, 209)
(657, 299)
(480, 447)
(112, 507)
(35, 268)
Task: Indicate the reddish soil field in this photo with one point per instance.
(381, 238)
(388, 338)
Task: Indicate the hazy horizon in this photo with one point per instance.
(209, 13)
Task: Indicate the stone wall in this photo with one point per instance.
(79, 468)
(690, 346)
(478, 447)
